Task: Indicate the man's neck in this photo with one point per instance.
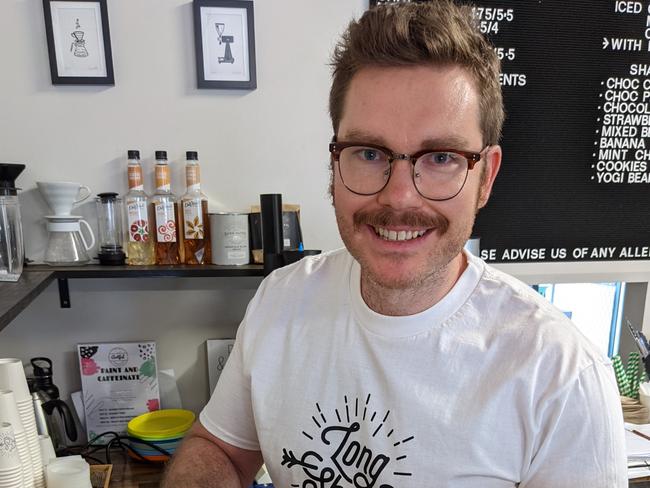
(409, 301)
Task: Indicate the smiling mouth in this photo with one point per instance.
(398, 235)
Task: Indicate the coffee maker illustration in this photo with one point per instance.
(79, 43)
(227, 40)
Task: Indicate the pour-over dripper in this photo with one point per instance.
(78, 35)
(62, 196)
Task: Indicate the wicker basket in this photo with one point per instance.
(100, 475)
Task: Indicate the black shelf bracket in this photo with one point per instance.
(64, 293)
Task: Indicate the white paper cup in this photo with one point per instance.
(34, 449)
(9, 411)
(13, 482)
(11, 475)
(47, 449)
(9, 458)
(25, 460)
(12, 377)
(68, 474)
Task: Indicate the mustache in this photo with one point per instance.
(388, 218)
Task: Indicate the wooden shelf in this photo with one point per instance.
(177, 271)
(15, 297)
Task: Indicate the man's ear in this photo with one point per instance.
(492, 164)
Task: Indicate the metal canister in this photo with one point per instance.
(229, 233)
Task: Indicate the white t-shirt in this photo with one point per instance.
(490, 387)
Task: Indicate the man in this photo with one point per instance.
(402, 361)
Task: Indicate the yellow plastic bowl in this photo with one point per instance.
(161, 424)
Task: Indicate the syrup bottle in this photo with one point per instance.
(195, 225)
(165, 211)
(140, 242)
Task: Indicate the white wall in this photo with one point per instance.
(273, 139)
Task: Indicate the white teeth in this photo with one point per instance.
(402, 235)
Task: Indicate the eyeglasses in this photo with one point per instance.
(438, 174)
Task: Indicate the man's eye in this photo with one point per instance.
(370, 155)
(441, 158)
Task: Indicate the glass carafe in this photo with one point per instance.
(66, 244)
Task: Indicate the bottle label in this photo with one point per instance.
(135, 178)
(163, 181)
(193, 219)
(165, 222)
(193, 176)
(138, 221)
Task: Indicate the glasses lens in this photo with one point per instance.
(364, 169)
(440, 175)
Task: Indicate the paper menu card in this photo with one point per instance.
(119, 382)
(218, 351)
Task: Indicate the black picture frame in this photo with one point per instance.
(94, 65)
(242, 75)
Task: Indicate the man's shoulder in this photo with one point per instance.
(308, 279)
(517, 311)
(315, 267)
(295, 294)
(503, 290)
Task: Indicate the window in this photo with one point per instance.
(595, 308)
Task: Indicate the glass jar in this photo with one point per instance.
(111, 229)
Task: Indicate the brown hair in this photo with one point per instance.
(407, 34)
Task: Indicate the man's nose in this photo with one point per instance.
(400, 191)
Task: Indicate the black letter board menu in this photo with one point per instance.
(574, 183)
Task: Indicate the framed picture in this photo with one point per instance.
(224, 37)
(78, 42)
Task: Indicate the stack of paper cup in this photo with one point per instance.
(12, 377)
(9, 413)
(11, 472)
(68, 473)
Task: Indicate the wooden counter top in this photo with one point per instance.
(135, 475)
(128, 473)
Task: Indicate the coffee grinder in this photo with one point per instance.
(227, 58)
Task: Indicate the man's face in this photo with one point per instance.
(408, 109)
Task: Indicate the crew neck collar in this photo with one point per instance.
(409, 325)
